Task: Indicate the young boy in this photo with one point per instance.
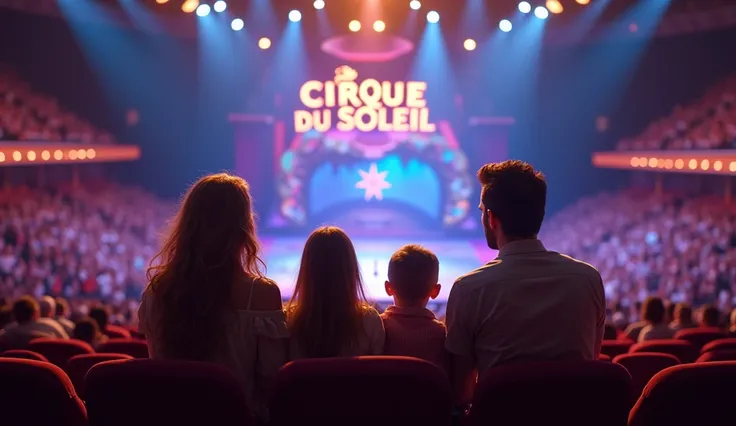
(411, 328)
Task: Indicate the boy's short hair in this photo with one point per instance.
(413, 271)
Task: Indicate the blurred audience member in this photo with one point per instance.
(207, 299)
(683, 318)
(654, 313)
(328, 315)
(62, 315)
(27, 326)
(710, 316)
(559, 307)
(87, 330)
(411, 328)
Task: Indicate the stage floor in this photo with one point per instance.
(457, 257)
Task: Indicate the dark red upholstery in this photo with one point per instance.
(570, 393)
(37, 393)
(181, 393)
(374, 390)
(700, 337)
(23, 354)
(720, 344)
(133, 347)
(718, 355)
(643, 366)
(613, 348)
(604, 357)
(58, 351)
(135, 334)
(687, 395)
(682, 349)
(78, 366)
(117, 332)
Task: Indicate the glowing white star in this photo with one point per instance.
(373, 182)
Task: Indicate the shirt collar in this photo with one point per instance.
(410, 311)
(521, 247)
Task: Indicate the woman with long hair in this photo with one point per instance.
(328, 315)
(207, 299)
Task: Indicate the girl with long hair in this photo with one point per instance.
(207, 299)
(328, 315)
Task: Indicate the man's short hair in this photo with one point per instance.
(683, 312)
(653, 310)
(25, 309)
(413, 271)
(47, 305)
(101, 315)
(516, 194)
(711, 316)
(86, 329)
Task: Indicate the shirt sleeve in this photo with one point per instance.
(460, 337)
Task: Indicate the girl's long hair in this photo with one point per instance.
(327, 308)
(211, 246)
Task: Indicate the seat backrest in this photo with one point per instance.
(58, 351)
(38, 393)
(378, 390)
(78, 366)
(604, 357)
(573, 393)
(718, 355)
(720, 344)
(23, 354)
(682, 349)
(643, 366)
(700, 337)
(688, 394)
(182, 393)
(613, 348)
(117, 332)
(133, 347)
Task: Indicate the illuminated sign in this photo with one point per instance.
(366, 106)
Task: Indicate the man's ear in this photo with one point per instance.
(389, 290)
(492, 220)
(435, 291)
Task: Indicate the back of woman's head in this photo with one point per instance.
(326, 310)
(653, 310)
(212, 243)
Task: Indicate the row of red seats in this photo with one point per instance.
(60, 351)
(717, 350)
(366, 390)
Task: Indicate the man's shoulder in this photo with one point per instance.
(479, 276)
(577, 265)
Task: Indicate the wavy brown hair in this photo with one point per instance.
(327, 308)
(211, 246)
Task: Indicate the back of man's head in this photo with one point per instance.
(62, 307)
(47, 305)
(683, 313)
(86, 329)
(711, 316)
(25, 310)
(413, 272)
(516, 194)
(101, 315)
(653, 310)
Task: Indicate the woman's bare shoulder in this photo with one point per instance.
(266, 295)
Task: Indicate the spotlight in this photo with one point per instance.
(433, 17)
(220, 6)
(541, 12)
(470, 44)
(264, 43)
(354, 26)
(525, 7)
(203, 10)
(583, 2)
(319, 4)
(415, 4)
(162, 1)
(505, 25)
(295, 16)
(379, 26)
(237, 24)
(189, 6)
(554, 6)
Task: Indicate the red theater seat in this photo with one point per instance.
(718, 355)
(58, 351)
(643, 366)
(700, 337)
(604, 357)
(719, 345)
(384, 391)
(570, 393)
(682, 349)
(23, 354)
(78, 366)
(117, 332)
(613, 348)
(687, 395)
(181, 393)
(37, 393)
(135, 348)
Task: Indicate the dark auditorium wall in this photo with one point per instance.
(184, 130)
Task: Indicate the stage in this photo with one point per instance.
(456, 256)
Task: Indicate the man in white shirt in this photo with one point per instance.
(528, 304)
(27, 326)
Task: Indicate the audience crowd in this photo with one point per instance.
(708, 123)
(26, 115)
